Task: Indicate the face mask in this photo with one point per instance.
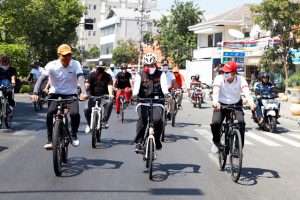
(152, 70)
(100, 70)
(112, 69)
(124, 71)
(5, 67)
(165, 68)
(227, 75)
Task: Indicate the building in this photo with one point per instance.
(124, 24)
(97, 11)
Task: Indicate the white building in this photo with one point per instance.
(97, 10)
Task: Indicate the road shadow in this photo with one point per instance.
(177, 191)
(184, 124)
(171, 138)
(109, 142)
(162, 172)
(279, 130)
(77, 165)
(2, 148)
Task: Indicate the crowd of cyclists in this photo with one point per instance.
(61, 78)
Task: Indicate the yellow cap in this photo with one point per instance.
(64, 49)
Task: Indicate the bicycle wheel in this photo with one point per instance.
(36, 106)
(122, 110)
(94, 129)
(150, 157)
(174, 114)
(58, 145)
(236, 154)
(8, 117)
(41, 104)
(222, 155)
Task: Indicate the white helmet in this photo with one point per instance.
(149, 59)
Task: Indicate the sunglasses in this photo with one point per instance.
(149, 65)
(227, 72)
(67, 55)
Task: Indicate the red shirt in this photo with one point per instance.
(179, 80)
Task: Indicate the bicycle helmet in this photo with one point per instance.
(149, 59)
(264, 74)
(197, 77)
(5, 60)
(4, 82)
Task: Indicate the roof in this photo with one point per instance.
(153, 14)
(236, 16)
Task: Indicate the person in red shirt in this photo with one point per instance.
(181, 85)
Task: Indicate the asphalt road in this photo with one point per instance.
(185, 167)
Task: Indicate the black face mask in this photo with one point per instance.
(112, 69)
(100, 70)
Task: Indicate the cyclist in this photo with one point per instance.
(35, 72)
(123, 81)
(170, 81)
(64, 75)
(263, 88)
(180, 83)
(226, 91)
(149, 83)
(8, 77)
(99, 83)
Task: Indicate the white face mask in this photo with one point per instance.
(152, 70)
(5, 67)
(124, 71)
(165, 68)
(227, 76)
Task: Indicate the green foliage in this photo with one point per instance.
(294, 80)
(174, 37)
(26, 89)
(148, 38)
(125, 52)
(94, 52)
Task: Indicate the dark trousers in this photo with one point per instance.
(217, 119)
(73, 112)
(142, 122)
(107, 106)
(258, 104)
(9, 94)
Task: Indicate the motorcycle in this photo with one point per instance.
(196, 95)
(270, 111)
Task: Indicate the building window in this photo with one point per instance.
(218, 38)
(210, 40)
(106, 48)
(89, 33)
(247, 34)
(109, 30)
(94, 33)
(95, 7)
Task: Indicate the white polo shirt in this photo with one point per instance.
(36, 72)
(230, 93)
(63, 80)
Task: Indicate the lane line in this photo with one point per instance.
(261, 139)
(283, 139)
(294, 135)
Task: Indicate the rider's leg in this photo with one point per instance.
(88, 111)
(9, 94)
(107, 106)
(158, 113)
(258, 110)
(118, 94)
(75, 117)
(217, 119)
(127, 94)
(141, 124)
(180, 96)
(239, 114)
(50, 113)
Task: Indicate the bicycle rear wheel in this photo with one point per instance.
(58, 145)
(174, 114)
(236, 154)
(199, 99)
(8, 117)
(222, 155)
(94, 129)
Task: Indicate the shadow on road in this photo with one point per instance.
(3, 148)
(250, 176)
(108, 143)
(161, 172)
(78, 165)
(171, 138)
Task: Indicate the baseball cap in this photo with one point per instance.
(229, 67)
(165, 63)
(64, 49)
(175, 70)
(112, 65)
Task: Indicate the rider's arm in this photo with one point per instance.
(246, 91)
(81, 80)
(39, 83)
(216, 89)
(164, 83)
(137, 85)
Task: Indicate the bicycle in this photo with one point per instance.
(149, 146)
(61, 137)
(175, 106)
(231, 143)
(122, 105)
(96, 118)
(38, 105)
(6, 113)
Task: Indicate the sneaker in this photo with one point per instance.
(104, 125)
(75, 141)
(169, 116)
(180, 107)
(48, 146)
(138, 147)
(214, 149)
(87, 129)
(118, 114)
(158, 145)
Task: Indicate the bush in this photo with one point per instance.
(294, 80)
(26, 89)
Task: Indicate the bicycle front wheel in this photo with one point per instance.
(58, 145)
(150, 157)
(36, 106)
(94, 129)
(236, 154)
(174, 114)
(122, 110)
(222, 155)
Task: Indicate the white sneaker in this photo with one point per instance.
(75, 141)
(214, 149)
(48, 146)
(87, 129)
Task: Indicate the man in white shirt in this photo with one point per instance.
(35, 72)
(64, 75)
(227, 88)
(112, 71)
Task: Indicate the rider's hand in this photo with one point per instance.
(110, 96)
(83, 97)
(13, 85)
(34, 98)
(252, 106)
(258, 96)
(217, 105)
(46, 90)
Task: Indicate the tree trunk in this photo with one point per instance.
(286, 70)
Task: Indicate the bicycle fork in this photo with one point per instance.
(151, 136)
(98, 111)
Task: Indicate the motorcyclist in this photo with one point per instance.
(195, 83)
(263, 88)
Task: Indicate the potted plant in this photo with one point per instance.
(294, 92)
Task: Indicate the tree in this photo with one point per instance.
(174, 37)
(94, 52)
(125, 52)
(41, 25)
(279, 17)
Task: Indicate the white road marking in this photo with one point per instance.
(283, 139)
(261, 139)
(294, 135)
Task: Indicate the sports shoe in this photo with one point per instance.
(48, 146)
(214, 149)
(158, 145)
(75, 141)
(104, 125)
(87, 129)
(118, 114)
(138, 147)
(180, 107)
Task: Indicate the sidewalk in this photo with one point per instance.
(285, 111)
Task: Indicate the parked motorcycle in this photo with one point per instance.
(270, 111)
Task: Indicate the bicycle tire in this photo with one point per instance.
(174, 114)
(36, 106)
(222, 154)
(94, 129)
(236, 154)
(199, 102)
(122, 109)
(57, 142)
(150, 157)
(8, 117)
(41, 104)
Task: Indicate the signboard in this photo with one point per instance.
(241, 69)
(238, 57)
(233, 54)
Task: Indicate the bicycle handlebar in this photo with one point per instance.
(105, 96)
(63, 100)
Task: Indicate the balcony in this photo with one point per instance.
(206, 53)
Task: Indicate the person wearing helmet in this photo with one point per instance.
(99, 83)
(226, 91)
(264, 88)
(195, 83)
(112, 71)
(64, 75)
(149, 83)
(123, 84)
(8, 78)
(180, 81)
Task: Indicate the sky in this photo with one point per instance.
(211, 7)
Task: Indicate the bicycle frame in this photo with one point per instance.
(97, 108)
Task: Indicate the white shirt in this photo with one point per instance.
(36, 72)
(112, 73)
(170, 78)
(137, 84)
(63, 80)
(230, 93)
